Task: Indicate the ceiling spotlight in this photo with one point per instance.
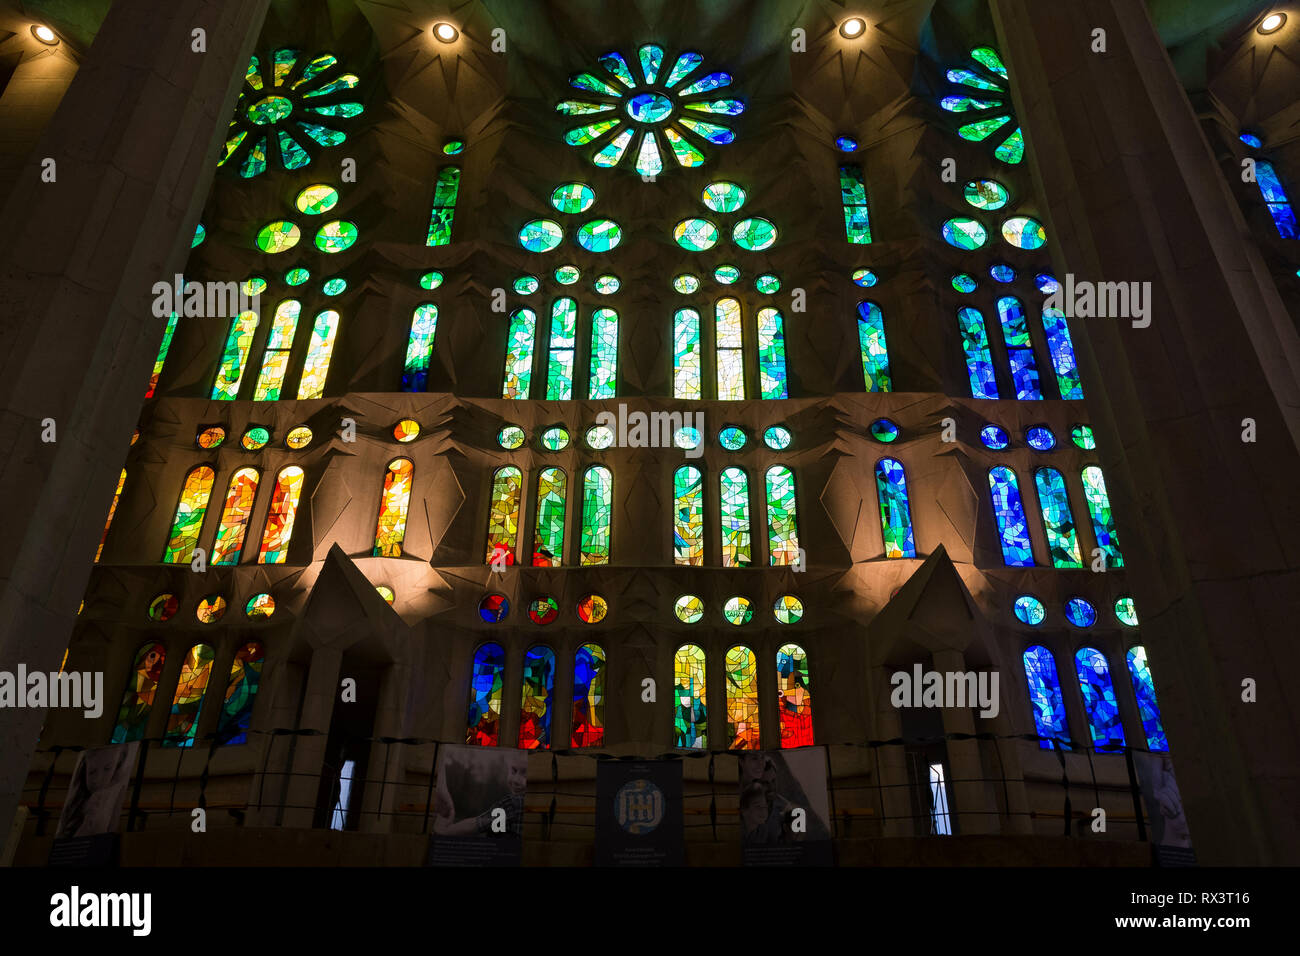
(445, 32)
(1272, 23)
(45, 35)
(853, 27)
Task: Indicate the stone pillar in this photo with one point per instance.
(301, 788)
(973, 805)
(135, 142)
(1208, 524)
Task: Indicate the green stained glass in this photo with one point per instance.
(688, 516)
(453, 147)
(347, 81)
(443, 211)
(540, 235)
(1062, 541)
(649, 162)
(232, 144)
(190, 510)
(738, 610)
(607, 285)
(419, 348)
(767, 284)
(689, 609)
(253, 75)
(985, 194)
(687, 363)
(317, 199)
(727, 275)
(895, 509)
(335, 286)
(600, 437)
(592, 84)
(320, 349)
(526, 285)
(723, 197)
(278, 236)
(168, 331)
(291, 154)
(597, 511)
(686, 284)
(346, 110)
(737, 551)
(687, 155)
(777, 438)
(604, 354)
(853, 196)
(296, 276)
(964, 104)
(1024, 232)
(581, 135)
(269, 110)
(865, 278)
(1012, 149)
(336, 236)
(789, 610)
(431, 280)
(599, 235)
(981, 130)
(313, 69)
(988, 58)
(503, 514)
(1103, 521)
(255, 439)
(719, 107)
(614, 63)
(573, 197)
(732, 438)
(567, 275)
(964, 233)
(967, 78)
(651, 57)
(200, 233)
(771, 354)
(729, 339)
(873, 348)
(1082, 437)
(564, 330)
(548, 538)
(284, 60)
(555, 438)
(1061, 347)
(963, 282)
(706, 84)
(1126, 611)
(579, 108)
(782, 518)
(612, 152)
(322, 135)
(754, 234)
(696, 235)
(254, 163)
(510, 437)
(690, 712)
(233, 357)
(520, 342)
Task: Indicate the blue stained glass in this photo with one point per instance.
(485, 696)
(873, 348)
(1250, 139)
(1099, 701)
(1062, 349)
(1080, 613)
(1001, 272)
(846, 144)
(1015, 331)
(771, 354)
(883, 430)
(1046, 283)
(704, 84)
(538, 698)
(1013, 528)
(1045, 697)
(994, 437)
(1145, 691)
(1062, 538)
(895, 512)
(1040, 438)
(1030, 610)
(1279, 206)
(649, 107)
(979, 363)
(963, 282)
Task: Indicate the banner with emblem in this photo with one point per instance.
(639, 813)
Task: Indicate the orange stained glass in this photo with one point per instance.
(190, 510)
(392, 509)
(187, 705)
(112, 509)
(742, 699)
(234, 516)
(279, 519)
(795, 698)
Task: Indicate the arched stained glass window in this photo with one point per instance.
(1062, 539)
(112, 510)
(485, 696)
(688, 516)
(393, 506)
(419, 348)
(895, 509)
(564, 332)
(1045, 697)
(597, 514)
(168, 332)
(1061, 346)
(1013, 529)
(537, 705)
(503, 514)
(275, 360)
(771, 354)
(742, 699)
(687, 363)
(1020, 351)
(444, 206)
(1279, 207)
(690, 712)
(604, 354)
(187, 704)
(191, 508)
(233, 356)
(794, 696)
(588, 724)
(1103, 521)
(1099, 700)
(737, 551)
(234, 516)
(548, 538)
(782, 517)
(138, 697)
(319, 350)
(520, 344)
(279, 518)
(979, 361)
(731, 356)
(875, 352)
(1144, 689)
(853, 195)
(241, 691)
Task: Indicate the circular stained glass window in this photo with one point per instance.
(696, 235)
(767, 284)
(211, 437)
(649, 108)
(453, 147)
(753, 234)
(318, 199)
(1030, 610)
(726, 274)
(600, 437)
(1046, 283)
(788, 609)
(494, 608)
(336, 236)
(732, 438)
(883, 430)
(738, 610)
(431, 280)
(555, 439)
(1040, 438)
(985, 194)
(963, 282)
(540, 235)
(567, 275)
(255, 438)
(408, 429)
(163, 607)
(211, 609)
(865, 278)
(278, 236)
(846, 144)
(686, 284)
(686, 438)
(334, 286)
(723, 197)
(543, 610)
(526, 285)
(299, 437)
(994, 437)
(1126, 611)
(1024, 233)
(689, 609)
(592, 609)
(964, 233)
(510, 437)
(1080, 613)
(607, 285)
(600, 235)
(777, 437)
(253, 286)
(385, 592)
(296, 276)
(269, 110)
(573, 197)
(1082, 437)
(259, 607)
(1001, 272)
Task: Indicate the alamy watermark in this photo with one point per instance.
(202, 299)
(38, 689)
(655, 429)
(947, 689)
(1082, 299)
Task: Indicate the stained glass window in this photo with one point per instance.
(187, 704)
(234, 516)
(794, 698)
(393, 505)
(1024, 232)
(895, 510)
(599, 235)
(588, 724)
(280, 516)
(690, 712)
(853, 194)
(1030, 610)
(503, 514)
(731, 358)
(604, 354)
(994, 115)
(1062, 540)
(597, 512)
(1103, 521)
(782, 517)
(1020, 353)
(871, 343)
(1061, 346)
(112, 509)
(444, 206)
(519, 353)
(163, 349)
(319, 350)
(963, 233)
(485, 682)
(537, 705)
(564, 331)
(1279, 206)
(548, 539)
(771, 354)
(979, 361)
(275, 360)
(688, 516)
(241, 691)
(138, 698)
(687, 378)
(742, 699)
(191, 508)
(419, 348)
(233, 356)
(736, 547)
(1099, 700)
(1045, 698)
(1144, 689)
(1013, 529)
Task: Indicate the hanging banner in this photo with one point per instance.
(478, 809)
(92, 809)
(784, 812)
(1171, 840)
(639, 813)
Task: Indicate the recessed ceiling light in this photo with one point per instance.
(444, 31)
(45, 35)
(1272, 23)
(853, 27)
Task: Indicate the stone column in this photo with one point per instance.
(1208, 523)
(972, 803)
(135, 142)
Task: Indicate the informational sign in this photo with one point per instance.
(639, 813)
(784, 813)
(1167, 829)
(478, 810)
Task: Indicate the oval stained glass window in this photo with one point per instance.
(296, 276)
(1024, 232)
(592, 609)
(540, 235)
(543, 610)
(964, 233)
(278, 236)
(846, 144)
(253, 286)
(493, 608)
(695, 235)
(962, 282)
(510, 437)
(211, 437)
(865, 278)
(1080, 613)
(1082, 437)
(723, 197)
(1040, 438)
(732, 438)
(753, 234)
(526, 285)
(687, 437)
(738, 610)
(567, 275)
(1030, 610)
(453, 147)
(555, 439)
(335, 286)
(573, 197)
(211, 609)
(1251, 140)
(318, 199)
(1126, 611)
(299, 437)
(985, 194)
(408, 429)
(1046, 283)
(600, 235)
(259, 607)
(777, 438)
(607, 285)
(994, 437)
(431, 280)
(726, 274)
(686, 284)
(767, 284)
(255, 438)
(689, 609)
(1001, 272)
(788, 609)
(600, 437)
(336, 236)
(883, 430)
(163, 607)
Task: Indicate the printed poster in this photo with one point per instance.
(639, 813)
(478, 808)
(784, 812)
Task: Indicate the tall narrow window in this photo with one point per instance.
(871, 343)
(782, 517)
(112, 510)
(604, 354)
(737, 551)
(597, 512)
(588, 724)
(419, 348)
(393, 506)
(520, 343)
(1279, 207)
(688, 516)
(536, 706)
(234, 516)
(1103, 521)
(1062, 539)
(1020, 351)
(548, 538)
(1144, 689)
(138, 697)
(742, 699)
(444, 206)
(241, 691)
(1099, 700)
(794, 698)
(187, 704)
(979, 361)
(1061, 346)
(690, 713)
(895, 509)
(279, 517)
(485, 696)
(771, 354)
(731, 357)
(231, 371)
(564, 333)
(940, 824)
(319, 351)
(1013, 529)
(275, 360)
(1045, 698)
(687, 363)
(503, 515)
(191, 508)
(163, 349)
(853, 194)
